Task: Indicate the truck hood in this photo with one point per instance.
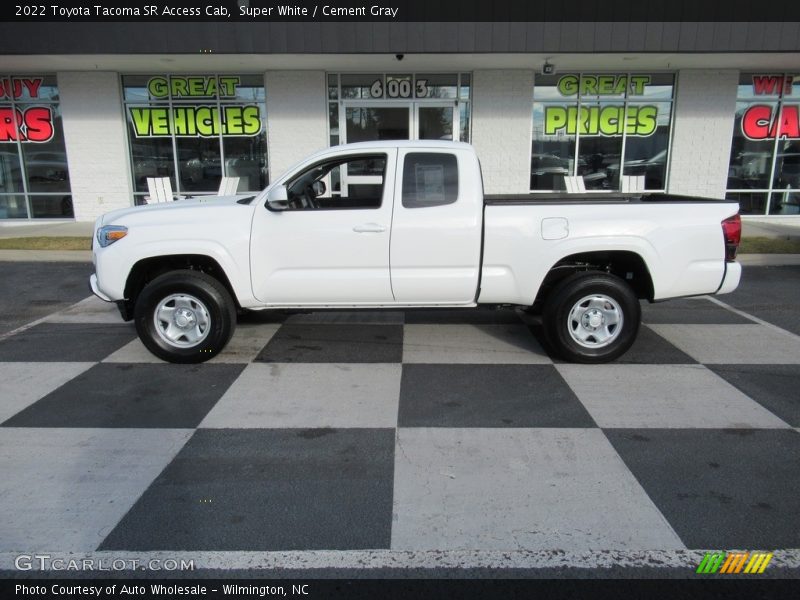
(180, 210)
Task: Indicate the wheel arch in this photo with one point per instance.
(625, 264)
(147, 269)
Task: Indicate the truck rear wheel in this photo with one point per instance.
(591, 318)
(185, 316)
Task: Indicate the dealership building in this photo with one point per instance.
(90, 111)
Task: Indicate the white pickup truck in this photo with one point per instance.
(405, 224)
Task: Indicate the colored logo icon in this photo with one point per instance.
(734, 562)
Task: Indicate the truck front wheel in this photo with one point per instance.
(591, 318)
(185, 316)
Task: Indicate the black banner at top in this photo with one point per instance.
(400, 11)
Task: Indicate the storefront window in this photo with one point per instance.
(196, 129)
(764, 171)
(33, 159)
(588, 124)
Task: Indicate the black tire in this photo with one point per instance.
(204, 299)
(603, 342)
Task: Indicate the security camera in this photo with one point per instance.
(548, 68)
(399, 56)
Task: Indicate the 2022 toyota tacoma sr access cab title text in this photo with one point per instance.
(405, 224)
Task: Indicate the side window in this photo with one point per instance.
(354, 182)
(429, 179)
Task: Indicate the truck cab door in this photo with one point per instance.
(436, 226)
(329, 244)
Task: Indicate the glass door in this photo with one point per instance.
(436, 121)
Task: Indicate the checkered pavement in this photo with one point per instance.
(415, 430)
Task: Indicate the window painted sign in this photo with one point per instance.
(768, 121)
(194, 120)
(24, 123)
(603, 117)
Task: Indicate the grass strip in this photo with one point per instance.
(46, 243)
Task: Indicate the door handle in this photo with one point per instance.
(369, 228)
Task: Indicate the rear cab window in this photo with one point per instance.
(429, 179)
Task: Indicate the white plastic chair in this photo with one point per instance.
(574, 184)
(228, 186)
(160, 189)
(632, 184)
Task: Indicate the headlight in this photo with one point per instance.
(108, 234)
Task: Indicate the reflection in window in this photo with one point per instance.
(583, 123)
(13, 206)
(764, 167)
(377, 123)
(151, 157)
(33, 158)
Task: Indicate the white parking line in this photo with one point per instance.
(392, 559)
(741, 313)
(22, 328)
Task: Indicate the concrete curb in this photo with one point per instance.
(46, 255)
(406, 559)
(768, 260)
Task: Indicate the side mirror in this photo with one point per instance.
(319, 188)
(278, 198)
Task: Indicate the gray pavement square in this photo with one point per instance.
(488, 396)
(257, 489)
(310, 396)
(775, 387)
(472, 344)
(66, 342)
(131, 396)
(719, 488)
(682, 396)
(507, 489)
(733, 344)
(335, 343)
(65, 489)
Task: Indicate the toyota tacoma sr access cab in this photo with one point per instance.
(405, 224)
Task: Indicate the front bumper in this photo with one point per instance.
(733, 273)
(95, 290)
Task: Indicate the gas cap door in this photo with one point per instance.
(555, 228)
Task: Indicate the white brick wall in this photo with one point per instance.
(297, 117)
(501, 128)
(96, 143)
(702, 129)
